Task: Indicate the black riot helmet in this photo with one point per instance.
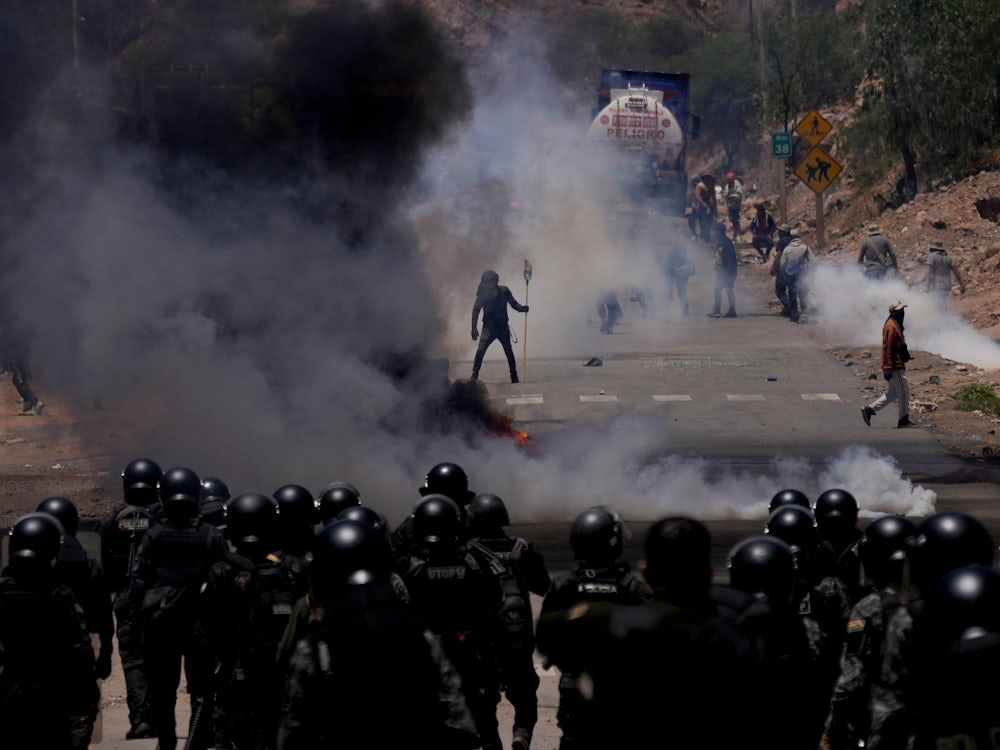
(885, 547)
(214, 494)
(296, 505)
(486, 515)
(964, 605)
(450, 480)
(252, 520)
(795, 526)
(348, 553)
(180, 493)
(364, 514)
(946, 541)
(789, 497)
(64, 511)
(334, 498)
(139, 480)
(213, 488)
(596, 535)
(35, 541)
(763, 564)
(836, 513)
(435, 521)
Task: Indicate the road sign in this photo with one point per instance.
(781, 145)
(818, 170)
(813, 128)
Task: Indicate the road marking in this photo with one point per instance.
(516, 400)
(586, 399)
(668, 397)
(820, 397)
(744, 397)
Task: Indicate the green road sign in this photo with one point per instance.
(781, 145)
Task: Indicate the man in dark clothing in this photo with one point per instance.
(492, 299)
(668, 664)
(48, 694)
(172, 563)
(518, 570)
(14, 359)
(598, 575)
(249, 600)
(120, 532)
(780, 282)
(85, 577)
(370, 674)
(726, 266)
(451, 595)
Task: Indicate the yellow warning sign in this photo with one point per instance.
(818, 170)
(813, 128)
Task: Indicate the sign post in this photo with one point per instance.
(524, 339)
(781, 148)
(818, 169)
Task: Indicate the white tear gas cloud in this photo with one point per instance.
(851, 309)
(254, 329)
(631, 473)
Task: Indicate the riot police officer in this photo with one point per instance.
(624, 655)
(836, 513)
(48, 693)
(945, 542)
(452, 596)
(249, 601)
(85, 577)
(214, 494)
(883, 552)
(599, 573)
(371, 675)
(518, 570)
(334, 498)
(448, 479)
(793, 660)
(789, 497)
(120, 532)
(172, 564)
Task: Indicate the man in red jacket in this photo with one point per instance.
(894, 357)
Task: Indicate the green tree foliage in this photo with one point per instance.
(723, 88)
(933, 93)
(808, 59)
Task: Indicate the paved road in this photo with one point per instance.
(707, 385)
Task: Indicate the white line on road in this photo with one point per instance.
(820, 397)
(669, 397)
(516, 400)
(586, 399)
(744, 397)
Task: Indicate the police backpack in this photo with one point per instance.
(514, 610)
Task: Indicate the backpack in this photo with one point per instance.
(794, 268)
(513, 613)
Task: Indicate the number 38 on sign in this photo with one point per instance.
(781, 145)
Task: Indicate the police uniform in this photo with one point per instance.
(514, 642)
(616, 584)
(451, 595)
(120, 532)
(373, 676)
(172, 563)
(849, 722)
(48, 693)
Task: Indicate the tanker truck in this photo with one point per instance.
(645, 117)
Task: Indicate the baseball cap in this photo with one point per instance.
(896, 305)
(936, 245)
(873, 229)
(785, 228)
(730, 176)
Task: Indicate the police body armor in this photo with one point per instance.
(121, 541)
